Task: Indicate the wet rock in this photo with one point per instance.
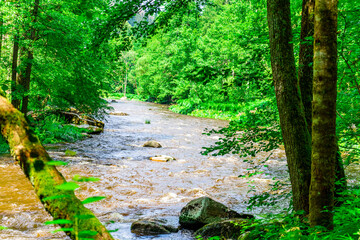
(119, 114)
(204, 210)
(92, 130)
(113, 101)
(116, 217)
(70, 153)
(145, 227)
(227, 229)
(153, 144)
(95, 130)
(162, 158)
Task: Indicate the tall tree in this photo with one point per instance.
(296, 136)
(305, 75)
(25, 74)
(14, 86)
(324, 114)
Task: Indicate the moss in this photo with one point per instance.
(38, 165)
(34, 154)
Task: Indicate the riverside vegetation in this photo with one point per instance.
(207, 59)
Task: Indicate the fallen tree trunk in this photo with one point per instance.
(33, 159)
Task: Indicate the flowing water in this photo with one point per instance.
(135, 186)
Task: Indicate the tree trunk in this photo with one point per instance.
(306, 55)
(24, 77)
(296, 137)
(324, 114)
(125, 83)
(33, 160)
(305, 75)
(14, 86)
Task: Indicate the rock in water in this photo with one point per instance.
(162, 158)
(227, 229)
(204, 210)
(145, 227)
(119, 114)
(153, 144)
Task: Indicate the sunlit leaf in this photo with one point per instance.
(57, 163)
(68, 186)
(59, 221)
(63, 230)
(93, 199)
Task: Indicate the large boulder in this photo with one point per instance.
(204, 210)
(145, 227)
(226, 229)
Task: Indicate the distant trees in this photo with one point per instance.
(212, 54)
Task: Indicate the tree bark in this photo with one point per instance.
(296, 137)
(305, 75)
(33, 160)
(306, 55)
(324, 114)
(14, 86)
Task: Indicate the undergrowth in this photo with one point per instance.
(51, 129)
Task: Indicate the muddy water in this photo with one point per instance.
(136, 187)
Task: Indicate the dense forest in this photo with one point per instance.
(283, 73)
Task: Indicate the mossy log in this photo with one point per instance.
(33, 159)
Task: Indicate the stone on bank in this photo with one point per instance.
(202, 211)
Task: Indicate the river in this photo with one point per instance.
(135, 186)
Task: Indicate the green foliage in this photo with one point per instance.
(199, 57)
(346, 220)
(57, 163)
(52, 129)
(79, 233)
(65, 71)
(256, 131)
(4, 147)
(348, 103)
(59, 221)
(68, 186)
(93, 199)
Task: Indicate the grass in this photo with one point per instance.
(218, 110)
